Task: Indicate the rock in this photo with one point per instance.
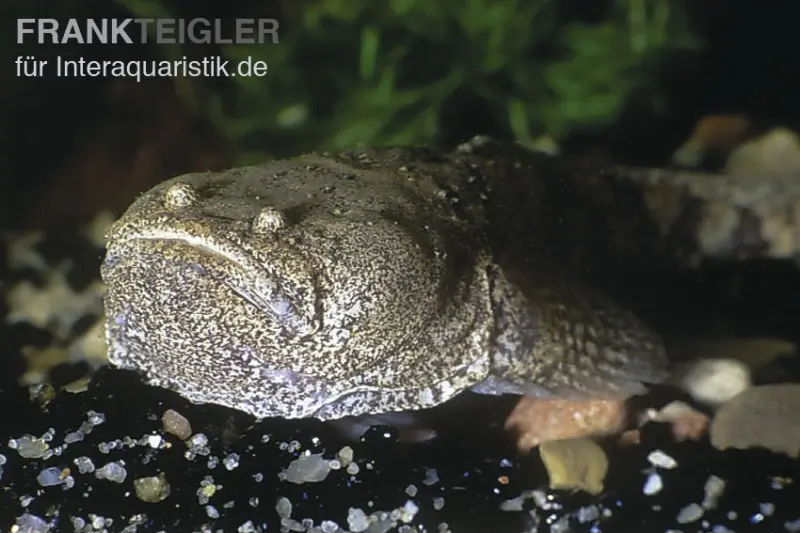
(537, 420)
(713, 381)
(713, 139)
(152, 489)
(578, 464)
(177, 424)
(763, 416)
(776, 151)
(687, 423)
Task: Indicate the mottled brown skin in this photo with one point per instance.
(364, 282)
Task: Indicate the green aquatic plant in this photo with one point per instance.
(406, 71)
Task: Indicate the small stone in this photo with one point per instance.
(777, 150)
(409, 511)
(283, 507)
(247, 527)
(514, 504)
(176, 424)
(113, 472)
(763, 416)
(51, 476)
(345, 455)
(29, 447)
(713, 489)
(588, 513)
(307, 469)
(537, 420)
(231, 461)
(431, 477)
(329, 526)
(793, 526)
(653, 485)
(661, 460)
(714, 381)
(28, 523)
(691, 513)
(575, 464)
(84, 464)
(357, 520)
(687, 422)
(151, 489)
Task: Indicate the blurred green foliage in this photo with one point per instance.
(384, 72)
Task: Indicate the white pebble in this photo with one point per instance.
(661, 460)
(329, 526)
(409, 511)
(345, 455)
(31, 524)
(284, 508)
(691, 513)
(588, 513)
(113, 472)
(307, 469)
(357, 520)
(713, 489)
(514, 504)
(231, 461)
(431, 477)
(50, 476)
(247, 527)
(29, 447)
(715, 381)
(653, 485)
(792, 526)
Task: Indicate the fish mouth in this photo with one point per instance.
(269, 274)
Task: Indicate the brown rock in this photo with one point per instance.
(176, 424)
(537, 420)
(764, 416)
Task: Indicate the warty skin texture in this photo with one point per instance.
(371, 281)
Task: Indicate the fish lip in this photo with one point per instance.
(206, 236)
(220, 243)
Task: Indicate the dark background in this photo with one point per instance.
(71, 147)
